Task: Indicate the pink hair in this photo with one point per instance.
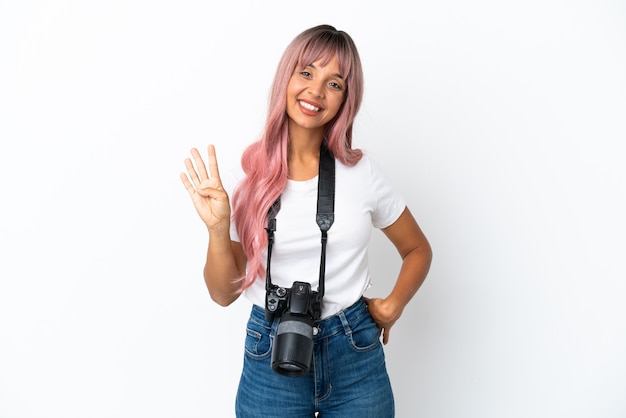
(265, 161)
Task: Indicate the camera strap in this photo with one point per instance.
(325, 214)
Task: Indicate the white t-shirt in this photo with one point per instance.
(364, 198)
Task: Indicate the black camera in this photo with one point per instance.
(298, 308)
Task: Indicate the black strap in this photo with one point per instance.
(271, 227)
(325, 214)
(325, 206)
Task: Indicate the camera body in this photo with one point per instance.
(298, 308)
(299, 299)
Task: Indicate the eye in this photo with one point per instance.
(335, 85)
(305, 74)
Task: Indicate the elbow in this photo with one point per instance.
(422, 253)
(223, 291)
(428, 254)
(422, 250)
(223, 299)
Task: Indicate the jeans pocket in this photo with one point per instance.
(364, 335)
(258, 343)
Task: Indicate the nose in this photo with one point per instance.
(316, 88)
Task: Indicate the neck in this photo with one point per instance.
(304, 155)
(305, 141)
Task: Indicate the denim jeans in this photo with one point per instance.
(347, 378)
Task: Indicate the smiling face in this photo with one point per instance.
(314, 95)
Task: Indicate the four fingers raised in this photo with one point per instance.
(198, 171)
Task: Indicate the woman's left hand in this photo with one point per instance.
(384, 313)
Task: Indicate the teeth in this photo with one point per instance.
(310, 107)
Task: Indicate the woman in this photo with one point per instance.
(315, 97)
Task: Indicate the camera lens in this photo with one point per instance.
(293, 345)
(288, 368)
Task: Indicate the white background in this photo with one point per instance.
(503, 124)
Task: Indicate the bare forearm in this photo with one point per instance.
(415, 267)
(222, 269)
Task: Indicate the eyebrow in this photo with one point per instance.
(334, 75)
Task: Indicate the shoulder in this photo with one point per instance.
(365, 168)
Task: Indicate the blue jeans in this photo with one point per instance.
(347, 377)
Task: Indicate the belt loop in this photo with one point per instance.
(345, 323)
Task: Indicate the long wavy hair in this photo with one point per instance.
(265, 160)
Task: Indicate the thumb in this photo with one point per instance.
(385, 335)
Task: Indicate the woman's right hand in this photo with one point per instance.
(206, 190)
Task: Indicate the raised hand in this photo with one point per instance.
(206, 190)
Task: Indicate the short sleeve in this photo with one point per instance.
(389, 202)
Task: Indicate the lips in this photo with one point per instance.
(308, 106)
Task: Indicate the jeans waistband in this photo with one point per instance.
(325, 327)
